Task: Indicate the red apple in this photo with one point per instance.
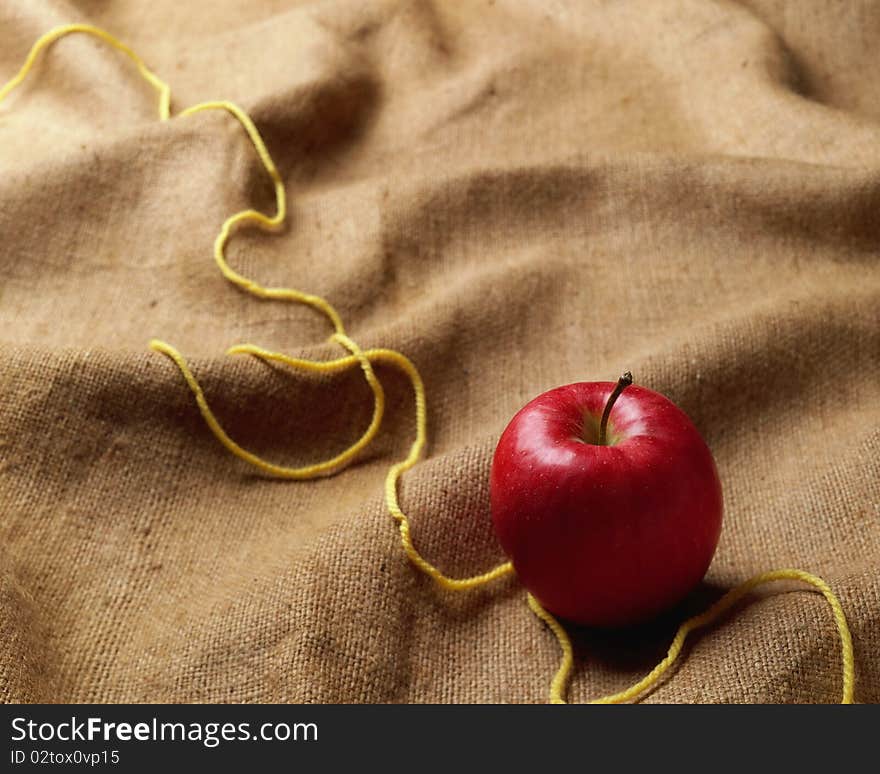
(607, 500)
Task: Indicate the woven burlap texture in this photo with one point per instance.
(516, 194)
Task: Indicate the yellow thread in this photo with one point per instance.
(365, 358)
(87, 29)
(560, 681)
(334, 464)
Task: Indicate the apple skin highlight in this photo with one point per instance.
(605, 535)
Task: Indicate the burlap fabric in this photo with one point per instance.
(514, 194)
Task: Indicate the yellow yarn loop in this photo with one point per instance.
(366, 358)
(326, 468)
(559, 684)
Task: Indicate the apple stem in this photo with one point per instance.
(625, 381)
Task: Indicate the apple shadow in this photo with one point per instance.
(640, 648)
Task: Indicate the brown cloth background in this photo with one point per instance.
(515, 194)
